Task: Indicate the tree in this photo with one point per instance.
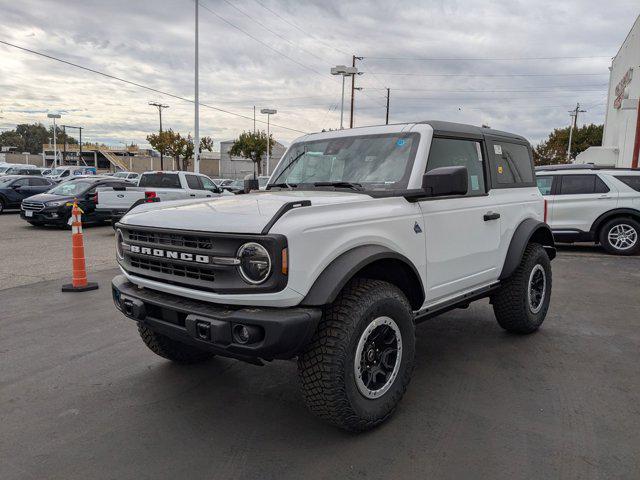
(252, 146)
(206, 143)
(31, 137)
(553, 150)
(176, 146)
(160, 141)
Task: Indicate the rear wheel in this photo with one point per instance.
(521, 303)
(359, 362)
(170, 349)
(620, 236)
(2, 206)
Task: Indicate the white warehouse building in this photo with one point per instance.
(621, 138)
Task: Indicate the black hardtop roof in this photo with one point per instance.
(452, 128)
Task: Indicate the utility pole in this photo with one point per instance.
(55, 147)
(160, 107)
(268, 112)
(388, 95)
(254, 119)
(574, 124)
(64, 152)
(196, 140)
(353, 87)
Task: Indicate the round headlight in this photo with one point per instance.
(255, 263)
(119, 244)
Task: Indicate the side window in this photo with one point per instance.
(208, 184)
(23, 182)
(449, 152)
(631, 181)
(37, 182)
(193, 182)
(545, 184)
(511, 165)
(582, 185)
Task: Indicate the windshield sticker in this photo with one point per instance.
(475, 184)
(500, 169)
(497, 149)
(401, 142)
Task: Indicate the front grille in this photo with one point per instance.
(33, 206)
(171, 239)
(193, 272)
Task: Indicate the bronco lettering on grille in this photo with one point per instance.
(171, 254)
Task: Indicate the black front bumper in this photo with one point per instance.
(49, 216)
(277, 333)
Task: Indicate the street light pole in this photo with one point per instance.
(196, 140)
(388, 95)
(345, 72)
(55, 142)
(268, 112)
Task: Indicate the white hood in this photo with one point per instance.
(248, 213)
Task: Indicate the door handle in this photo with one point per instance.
(192, 195)
(604, 197)
(491, 216)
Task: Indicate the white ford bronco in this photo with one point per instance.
(360, 235)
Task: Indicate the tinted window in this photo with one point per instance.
(582, 184)
(193, 183)
(23, 182)
(544, 184)
(447, 152)
(632, 181)
(38, 182)
(160, 180)
(511, 165)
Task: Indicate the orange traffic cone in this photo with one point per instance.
(79, 279)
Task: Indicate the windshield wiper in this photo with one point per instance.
(351, 185)
(283, 185)
(289, 165)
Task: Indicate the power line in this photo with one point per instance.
(571, 89)
(491, 75)
(307, 67)
(139, 85)
(300, 29)
(492, 59)
(272, 31)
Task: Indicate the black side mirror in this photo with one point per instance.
(445, 181)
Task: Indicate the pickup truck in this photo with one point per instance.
(155, 186)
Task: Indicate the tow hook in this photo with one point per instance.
(203, 330)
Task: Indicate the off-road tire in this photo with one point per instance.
(511, 302)
(622, 222)
(170, 349)
(326, 368)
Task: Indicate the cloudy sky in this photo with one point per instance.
(514, 65)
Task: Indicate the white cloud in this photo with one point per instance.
(151, 42)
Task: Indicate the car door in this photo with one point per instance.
(195, 187)
(17, 192)
(462, 233)
(209, 186)
(579, 200)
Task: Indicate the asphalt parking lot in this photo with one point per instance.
(81, 397)
(31, 254)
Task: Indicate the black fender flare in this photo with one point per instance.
(529, 230)
(343, 268)
(616, 212)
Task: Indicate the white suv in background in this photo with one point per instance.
(586, 203)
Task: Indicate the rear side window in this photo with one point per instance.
(38, 182)
(581, 185)
(631, 181)
(193, 182)
(160, 180)
(545, 184)
(449, 152)
(511, 165)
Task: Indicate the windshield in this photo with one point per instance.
(6, 180)
(56, 171)
(377, 162)
(160, 180)
(71, 188)
(4, 169)
(121, 175)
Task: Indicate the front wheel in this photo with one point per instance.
(359, 362)
(521, 303)
(620, 236)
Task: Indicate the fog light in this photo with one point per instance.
(241, 334)
(245, 334)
